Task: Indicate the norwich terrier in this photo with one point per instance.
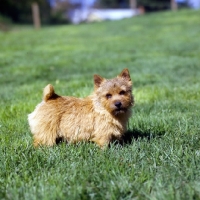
(101, 117)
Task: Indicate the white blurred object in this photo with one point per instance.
(195, 4)
(113, 14)
(91, 15)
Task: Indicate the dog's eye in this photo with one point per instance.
(108, 96)
(122, 92)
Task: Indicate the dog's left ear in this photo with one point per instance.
(125, 75)
(97, 81)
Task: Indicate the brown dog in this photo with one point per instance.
(100, 117)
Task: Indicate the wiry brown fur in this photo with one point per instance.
(99, 117)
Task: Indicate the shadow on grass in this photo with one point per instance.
(135, 134)
(128, 137)
(60, 140)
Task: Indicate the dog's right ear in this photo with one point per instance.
(125, 74)
(97, 81)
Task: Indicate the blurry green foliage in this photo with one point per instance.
(4, 23)
(149, 5)
(154, 5)
(114, 3)
(20, 11)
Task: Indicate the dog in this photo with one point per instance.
(101, 117)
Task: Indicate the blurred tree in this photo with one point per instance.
(133, 4)
(19, 11)
(174, 5)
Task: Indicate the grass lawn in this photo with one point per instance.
(162, 52)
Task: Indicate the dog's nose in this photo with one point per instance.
(118, 104)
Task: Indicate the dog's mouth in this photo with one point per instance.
(119, 111)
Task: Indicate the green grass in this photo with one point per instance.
(162, 52)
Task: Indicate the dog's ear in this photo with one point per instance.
(125, 75)
(97, 81)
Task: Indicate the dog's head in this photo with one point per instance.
(115, 95)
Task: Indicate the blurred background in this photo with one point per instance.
(51, 12)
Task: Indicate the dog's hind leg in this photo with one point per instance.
(44, 128)
(44, 139)
(46, 134)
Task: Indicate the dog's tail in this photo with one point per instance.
(49, 93)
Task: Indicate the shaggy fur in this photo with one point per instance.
(100, 117)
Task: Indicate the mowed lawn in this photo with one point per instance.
(160, 160)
